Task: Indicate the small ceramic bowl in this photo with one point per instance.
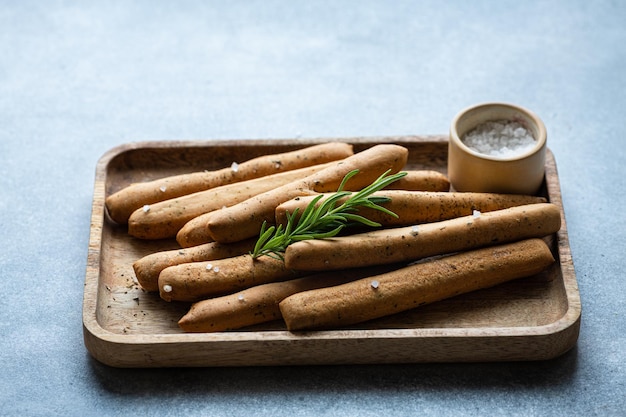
(470, 170)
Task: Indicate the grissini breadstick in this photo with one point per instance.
(258, 304)
(148, 268)
(421, 180)
(123, 203)
(244, 220)
(194, 232)
(414, 285)
(197, 281)
(165, 218)
(416, 242)
(414, 207)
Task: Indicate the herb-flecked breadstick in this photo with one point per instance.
(258, 304)
(420, 241)
(164, 219)
(148, 268)
(123, 203)
(244, 220)
(194, 232)
(197, 281)
(421, 180)
(414, 286)
(414, 207)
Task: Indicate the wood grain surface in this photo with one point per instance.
(534, 318)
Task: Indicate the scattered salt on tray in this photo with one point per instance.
(500, 138)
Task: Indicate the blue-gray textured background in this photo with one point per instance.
(80, 77)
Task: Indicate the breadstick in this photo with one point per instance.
(258, 304)
(197, 281)
(244, 220)
(148, 268)
(421, 180)
(194, 232)
(416, 242)
(414, 207)
(165, 218)
(414, 286)
(123, 203)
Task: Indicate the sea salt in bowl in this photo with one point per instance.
(497, 148)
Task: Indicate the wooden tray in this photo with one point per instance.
(533, 318)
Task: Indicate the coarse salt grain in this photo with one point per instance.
(146, 208)
(216, 269)
(501, 138)
(234, 167)
(476, 214)
(163, 188)
(415, 230)
(240, 297)
(167, 288)
(209, 266)
(375, 284)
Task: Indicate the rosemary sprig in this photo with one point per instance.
(325, 220)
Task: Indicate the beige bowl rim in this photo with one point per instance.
(540, 136)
